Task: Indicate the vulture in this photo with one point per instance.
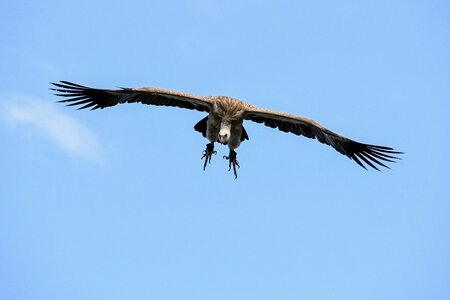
(224, 122)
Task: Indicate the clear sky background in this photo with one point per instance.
(114, 203)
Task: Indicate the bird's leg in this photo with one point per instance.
(232, 162)
(208, 153)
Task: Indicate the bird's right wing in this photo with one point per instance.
(87, 97)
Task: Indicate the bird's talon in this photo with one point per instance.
(232, 162)
(207, 154)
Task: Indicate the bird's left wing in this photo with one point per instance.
(87, 97)
(369, 154)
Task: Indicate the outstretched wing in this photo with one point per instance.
(87, 97)
(372, 155)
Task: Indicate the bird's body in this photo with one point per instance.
(225, 120)
(224, 123)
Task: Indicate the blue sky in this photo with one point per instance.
(114, 204)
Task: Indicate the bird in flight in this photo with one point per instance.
(224, 122)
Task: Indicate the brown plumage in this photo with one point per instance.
(225, 118)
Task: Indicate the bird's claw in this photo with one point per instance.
(207, 154)
(232, 162)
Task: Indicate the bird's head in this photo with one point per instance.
(225, 132)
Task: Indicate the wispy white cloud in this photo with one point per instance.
(45, 121)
